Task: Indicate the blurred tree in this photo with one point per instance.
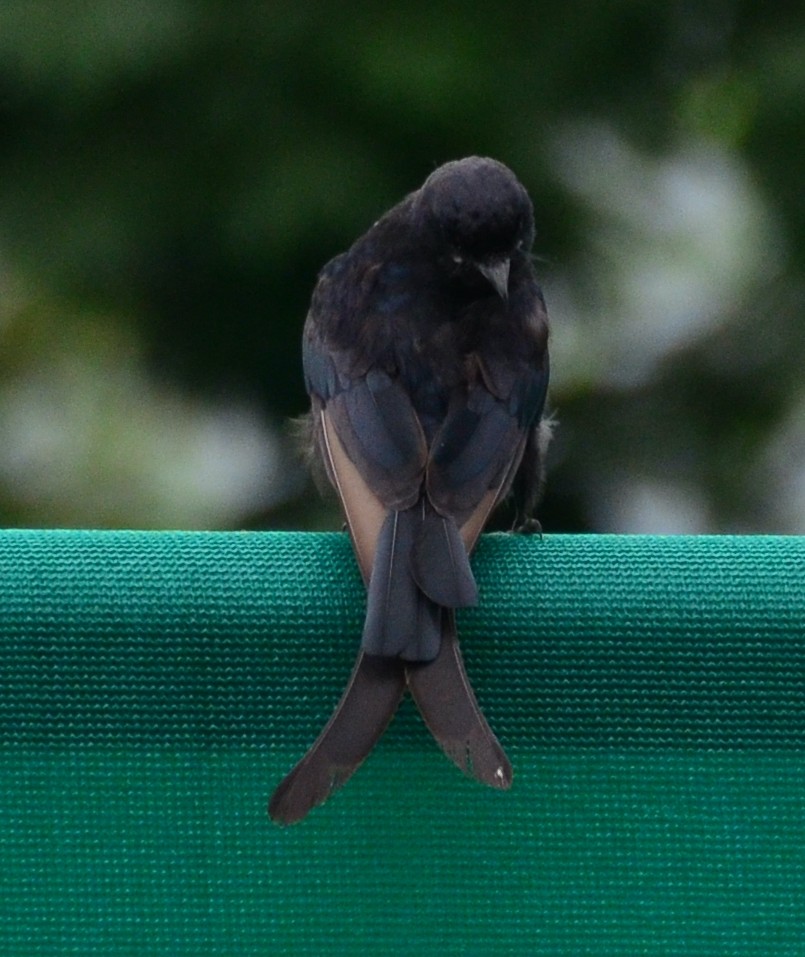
(173, 174)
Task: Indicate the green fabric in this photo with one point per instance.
(154, 687)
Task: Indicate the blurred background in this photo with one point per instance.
(173, 174)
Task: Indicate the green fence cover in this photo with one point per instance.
(154, 687)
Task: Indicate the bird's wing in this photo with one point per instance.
(479, 447)
(370, 439)
(375, 452)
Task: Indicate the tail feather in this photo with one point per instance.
(442, 692)
(420, 567)
(400, 620)
(360, 718)
(440, 564)
(444, 696)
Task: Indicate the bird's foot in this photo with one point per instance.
(530, 526)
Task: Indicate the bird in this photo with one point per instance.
(425, 355)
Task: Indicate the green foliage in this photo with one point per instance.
(179, 171)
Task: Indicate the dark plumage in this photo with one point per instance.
(425, 357)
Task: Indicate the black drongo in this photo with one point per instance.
(425, 357)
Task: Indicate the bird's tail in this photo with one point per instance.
(446, 701)
(420, 574)
(444, 696)
(421, 568)
(360, 718)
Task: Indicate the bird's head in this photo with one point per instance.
(480, 217)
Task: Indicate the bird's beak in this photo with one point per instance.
(497, 274)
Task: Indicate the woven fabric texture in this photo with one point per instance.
(154, 687)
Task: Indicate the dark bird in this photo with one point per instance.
(425, 357)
